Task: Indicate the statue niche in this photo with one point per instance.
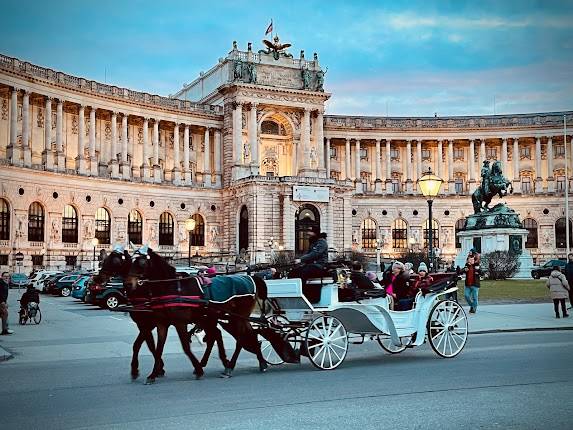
(276, 146)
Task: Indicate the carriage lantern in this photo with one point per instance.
(430, 187)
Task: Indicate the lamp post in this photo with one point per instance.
(95, 243)
(189, 226)
(378, 249)
(430, 187)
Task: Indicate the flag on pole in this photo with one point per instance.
(269, 28)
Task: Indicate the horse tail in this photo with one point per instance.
(261, 286)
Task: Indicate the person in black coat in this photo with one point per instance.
(4, 287)
(569, 277)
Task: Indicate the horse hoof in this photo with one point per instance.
(227, 373)
(134, 375)
(263, 367)
(150, 381)
(161, 373)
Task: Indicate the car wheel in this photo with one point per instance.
(65, 292)
(535, 275)
(112, 301)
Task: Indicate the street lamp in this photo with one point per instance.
(189, 226)
(430, 187)
(95, 243)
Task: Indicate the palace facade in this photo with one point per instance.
(247, 152)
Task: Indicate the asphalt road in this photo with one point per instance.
(72, 371)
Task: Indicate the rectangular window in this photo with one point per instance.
(459, 186)
(526, 185)
(559, 151)
(560, 183)
(396, 186)
(71, 260)
(426, 154)
(3, 259)
(334, 175)
(491, 153)
(37, 260)
(394, 154)
(270, 174)
(363, 153)
(458, 153)
(525, 152)
(333, 152)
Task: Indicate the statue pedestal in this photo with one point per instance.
(496, 230)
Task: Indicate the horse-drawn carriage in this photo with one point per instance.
(324, 330)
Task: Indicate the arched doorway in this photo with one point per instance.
(276, 150)
(244, 228)
(306, 218)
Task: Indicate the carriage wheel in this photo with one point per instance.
(38, 317)
(326, 342)
(447, 328)
(269, 353)
(387, 345)
(23, 319)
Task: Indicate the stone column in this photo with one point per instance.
(125, 165)
(451, 181)
(418, 161)
(92, 141)
(157, 178)
(409, 186)
(186, 171)
(48, 154)
(550, 178)
(145, 171)
(114, 161)
(320, 142)
(538, 179)
(482, 156)
(471, 166)
(176, 158)
(389, 189)
(516, 178)
(207, 159)
(81, 166)
(61, 157)
(347, 173)
(217, 154)
(26, 148)
(253, 141)
(238, 133)
(13, 152)
(358, 179)
(440, 162)
(504, 153)
(327, 157)
(378, 169)
(305, 137)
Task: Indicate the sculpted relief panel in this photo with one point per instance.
(278, 77)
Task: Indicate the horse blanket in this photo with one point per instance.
(224, 288)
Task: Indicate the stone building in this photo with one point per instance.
(247, 151)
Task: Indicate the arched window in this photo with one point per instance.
(368, 234)
(460, 226)
(560, 234)
(272, 127)
(70, 225)
(198, 233)
(435, 234)
(244, 229)
(531, 225)
(4, 220)
(135, 227)
(103, 226)
(36, 222)
(399, 234)
(166, 225)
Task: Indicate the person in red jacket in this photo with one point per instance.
(424, 279)
(472, 284)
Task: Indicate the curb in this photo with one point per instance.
(520, 330)
(5, 355)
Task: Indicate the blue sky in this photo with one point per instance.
(401, 58)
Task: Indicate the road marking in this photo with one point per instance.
(116, 318)
(514, 347)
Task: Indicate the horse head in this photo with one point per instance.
(117, 263)
(147, 265)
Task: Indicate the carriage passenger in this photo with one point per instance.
(359, 278)
(424, 280)
(397, 284)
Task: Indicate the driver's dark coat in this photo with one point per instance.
(318, 253)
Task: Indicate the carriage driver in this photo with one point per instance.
(313, 264)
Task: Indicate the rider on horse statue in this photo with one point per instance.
(493, 182)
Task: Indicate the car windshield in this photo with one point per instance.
(19, 276)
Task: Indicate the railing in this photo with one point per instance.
(23, 67)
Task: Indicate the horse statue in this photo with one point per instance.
(493, 182)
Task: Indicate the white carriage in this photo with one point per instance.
(323, 331)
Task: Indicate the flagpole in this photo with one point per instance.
(566, 186)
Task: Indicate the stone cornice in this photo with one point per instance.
(241, 90)
(34, 73)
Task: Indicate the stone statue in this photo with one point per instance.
(238, 70)
(252, 73)
(213, 233)
(496, 184)
(305, 73)
(320, 81)
(55, 233)
(485, 175)
(88, 228)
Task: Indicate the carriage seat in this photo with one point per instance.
(313, 288)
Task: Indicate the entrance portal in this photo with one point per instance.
(307, 218)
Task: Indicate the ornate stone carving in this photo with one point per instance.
(74, 124)
(107, 130)
(140, 135)
(509, 153)
(40, 118)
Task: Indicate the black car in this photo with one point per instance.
(546, 269)
(50, 282)
(109, 296)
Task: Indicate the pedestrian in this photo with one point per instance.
(569, 277)
(559, 289)
(472, 284)
(4, 287)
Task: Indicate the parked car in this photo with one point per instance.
(64, 285)
(50, 282)
(18, 280)
(80, 287)
(38, 279)
(109, 296)
(546, 269)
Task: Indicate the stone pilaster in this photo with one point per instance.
(26, 147)
(516, 178)
(92, 142)
(81, 165)
(157, 177)
(186, 171)
(471, 166)
(253, 139)
(389, 189)
(12, 150)
(327, 157)
(357, 169)
(145, 167)
(125, 165)
(47, 154)
(114, 161)
(347, 172)
(550, 177)
(176, 176)
(61, 156)
(409, 168)
(538, 179)
(451, 181)
(378, 169)
(319, 138)
(217, 155)
(207, 158)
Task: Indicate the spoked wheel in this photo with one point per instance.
(38, 317)
(269, 353)
(385, 342)
(23, 319)
(447, 328)
(326, 342)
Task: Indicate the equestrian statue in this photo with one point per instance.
(493, 182)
